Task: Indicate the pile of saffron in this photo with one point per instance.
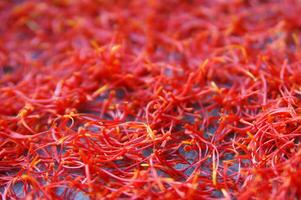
(150, 99)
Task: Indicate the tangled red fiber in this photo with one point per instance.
(150, 99)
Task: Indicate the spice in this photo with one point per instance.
(150, 99)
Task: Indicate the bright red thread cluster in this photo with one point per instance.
(150, 99)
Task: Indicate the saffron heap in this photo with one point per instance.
(150, 99)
